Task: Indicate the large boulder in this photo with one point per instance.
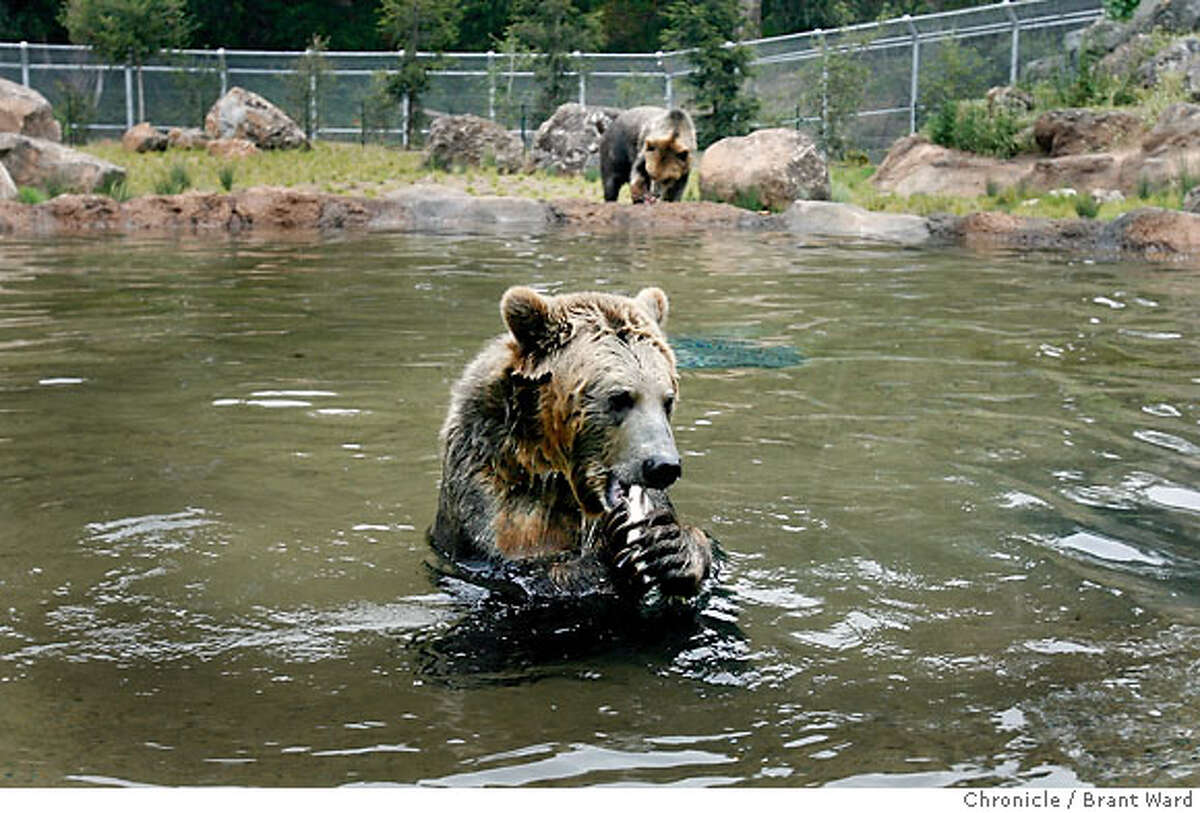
(45, 164)
(243, 114)
(144, 137)
(472, 141)
(1154, 233)
(914, 166)
(1177, 127)
(25, 111)
(777, 166)
(569, 141)
(1074, 131)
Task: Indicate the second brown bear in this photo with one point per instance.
(651, 149)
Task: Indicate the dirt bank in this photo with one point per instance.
(1155, 233)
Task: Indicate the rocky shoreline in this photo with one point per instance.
(1145, 233)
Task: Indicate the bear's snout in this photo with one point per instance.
(660, 471)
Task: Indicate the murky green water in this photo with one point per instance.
(963, 534)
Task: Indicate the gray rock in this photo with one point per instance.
(845, 221)
(1098, 39)
(1127, 57)
(25, 111)
(243, 114)
(1009, 99)
(8, 189)
(472, 141)
(1172, 16)
(440, 209)
(41, 163)
(778, 166)
(1046, 69)
(1177, 127)
(569, 141)
(1181, 58)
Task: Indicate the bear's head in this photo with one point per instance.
(595, 382)
(669, 145)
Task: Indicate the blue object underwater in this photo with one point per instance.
(707, 353)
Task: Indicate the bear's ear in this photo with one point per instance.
(527, 314)
(654, 302)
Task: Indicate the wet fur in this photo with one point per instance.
(650, 148)
(527, 450)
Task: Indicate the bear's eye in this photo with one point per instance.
(682, 155)
(649, 148)
(620, 402)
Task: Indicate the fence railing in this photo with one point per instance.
(898, 60)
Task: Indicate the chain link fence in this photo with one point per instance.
(865, 84)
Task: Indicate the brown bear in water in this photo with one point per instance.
(652, 150)
(557, 452)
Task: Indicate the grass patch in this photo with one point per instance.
(115, 189)
(177, 179)
(851, 184)
(225, 176)
(349, 168)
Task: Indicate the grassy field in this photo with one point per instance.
(372, 170)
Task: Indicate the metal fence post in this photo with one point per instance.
(128, 96)
(404, 114)
(582, 79)
(313, 124)
(914, 78)
(1016, 42)
(24, 63)
(824, 83)
(491, 69)
(224, 69)
(658, 60)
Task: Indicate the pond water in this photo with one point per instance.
(959, 502)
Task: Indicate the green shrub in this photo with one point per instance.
(1120, 10)
(970, 127)
(225, 176)
(31, 195)
(1086, 206)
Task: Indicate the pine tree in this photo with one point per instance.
(416, 25)
(553, 30)
(706, 30)
(128, 31)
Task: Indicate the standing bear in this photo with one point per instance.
(651, 149)
(557, 452)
